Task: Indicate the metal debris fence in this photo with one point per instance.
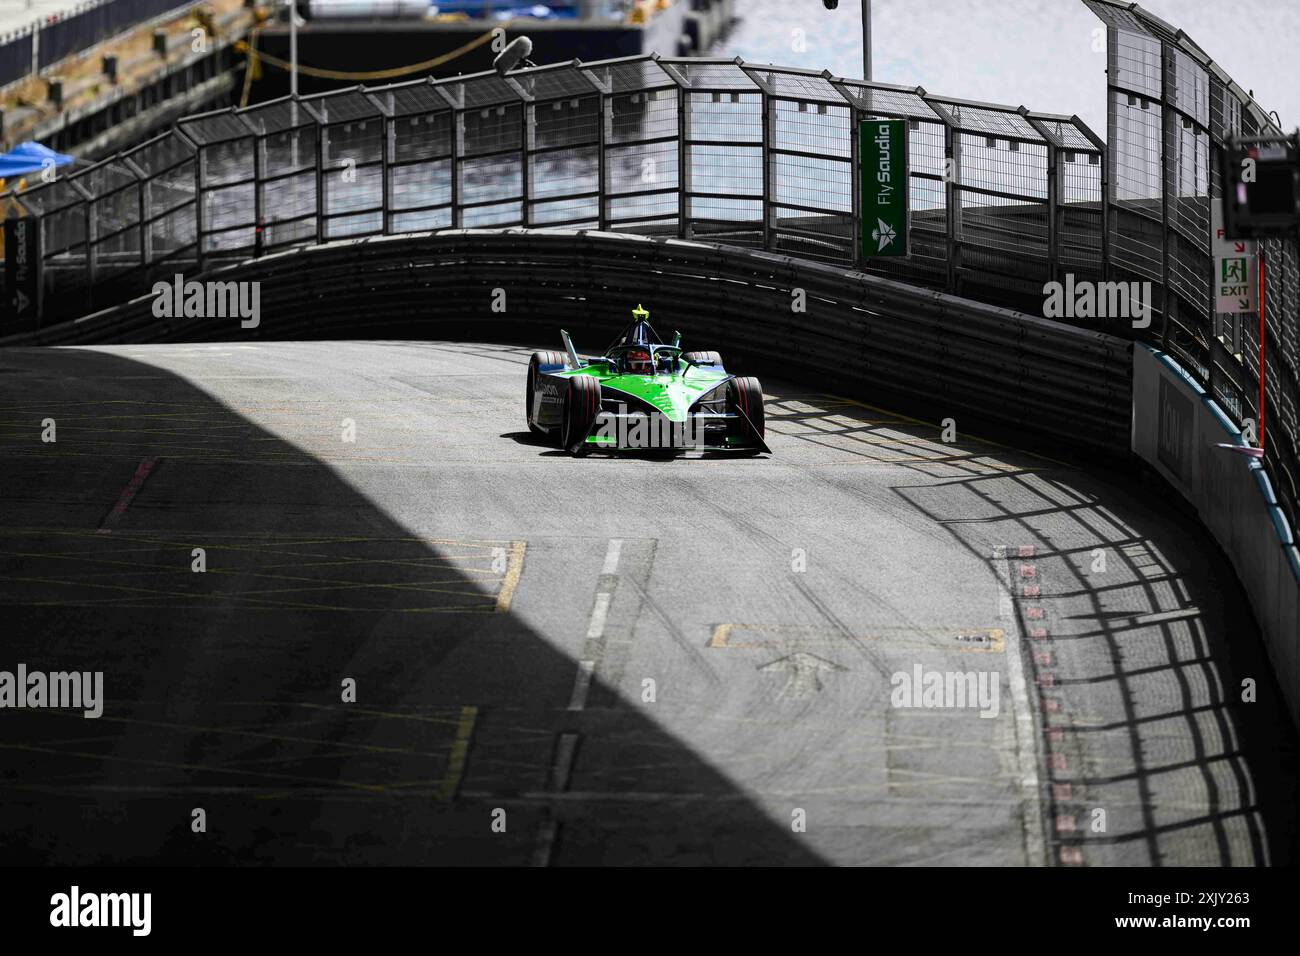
(1003, 199)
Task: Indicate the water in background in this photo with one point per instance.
(1032, 52)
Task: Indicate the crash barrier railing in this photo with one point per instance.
(943, 356)
(45, 42)
(1170, 109)
(1003, 200)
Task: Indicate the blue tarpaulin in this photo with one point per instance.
(30, 157)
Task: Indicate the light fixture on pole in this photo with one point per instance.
(293, 47)
(515, 54)
(866, 34)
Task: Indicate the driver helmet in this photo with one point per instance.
(638, 362)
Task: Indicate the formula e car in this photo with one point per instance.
(643, 394)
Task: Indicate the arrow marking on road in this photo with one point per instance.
(805, 672)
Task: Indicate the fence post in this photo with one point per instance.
(1166, 144)
(527, 112)
(1103, 160)
(144, 209)
(457, 152)
(856, 120)
(388, 132)
(683, 163)
(951, 192)
(769, 169)
(198, 198)
(606, 107)
(319, 162)
(259, 173)
(1053, 193)
(88, 237)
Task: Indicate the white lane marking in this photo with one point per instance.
(1026, 733)
(561, 771)
(545, 842)
(612, 555)
(596, 626)
(598, 615)
(581, 685)
(562, 766)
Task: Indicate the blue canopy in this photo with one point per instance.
(29, 157)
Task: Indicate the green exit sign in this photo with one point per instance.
(882, 158)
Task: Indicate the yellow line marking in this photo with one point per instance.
(450, 609)
(351, 748)
(992, 468)
(721, 634)
(459, 753)
(270, 537)
(514, 568)
(112, 758)
(255, 602)
(980, 640)
(350, 708)
(463, 555)
(316, 584)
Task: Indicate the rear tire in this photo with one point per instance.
(745, 395)
(704, 358)
(539, 362)
(581, 406)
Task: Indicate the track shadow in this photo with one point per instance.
(225, 683)
(1137, 637)
(528, 438)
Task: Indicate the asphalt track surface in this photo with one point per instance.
(624, 660)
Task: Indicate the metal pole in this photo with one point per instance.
(769, 167)
(683, 163)
(1167, 133)
(293, 48)
(866, 40)
(1262, 333)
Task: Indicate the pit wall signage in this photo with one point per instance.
(882, 158)
(1174, 439)
(23, 281)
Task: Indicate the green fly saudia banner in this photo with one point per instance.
(882, 154)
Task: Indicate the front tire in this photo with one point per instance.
(538, 363)
(581, 406)
(745, 397)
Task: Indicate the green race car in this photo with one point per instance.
(643, 394)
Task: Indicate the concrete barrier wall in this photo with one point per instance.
(999, 373)
(1177, 429)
